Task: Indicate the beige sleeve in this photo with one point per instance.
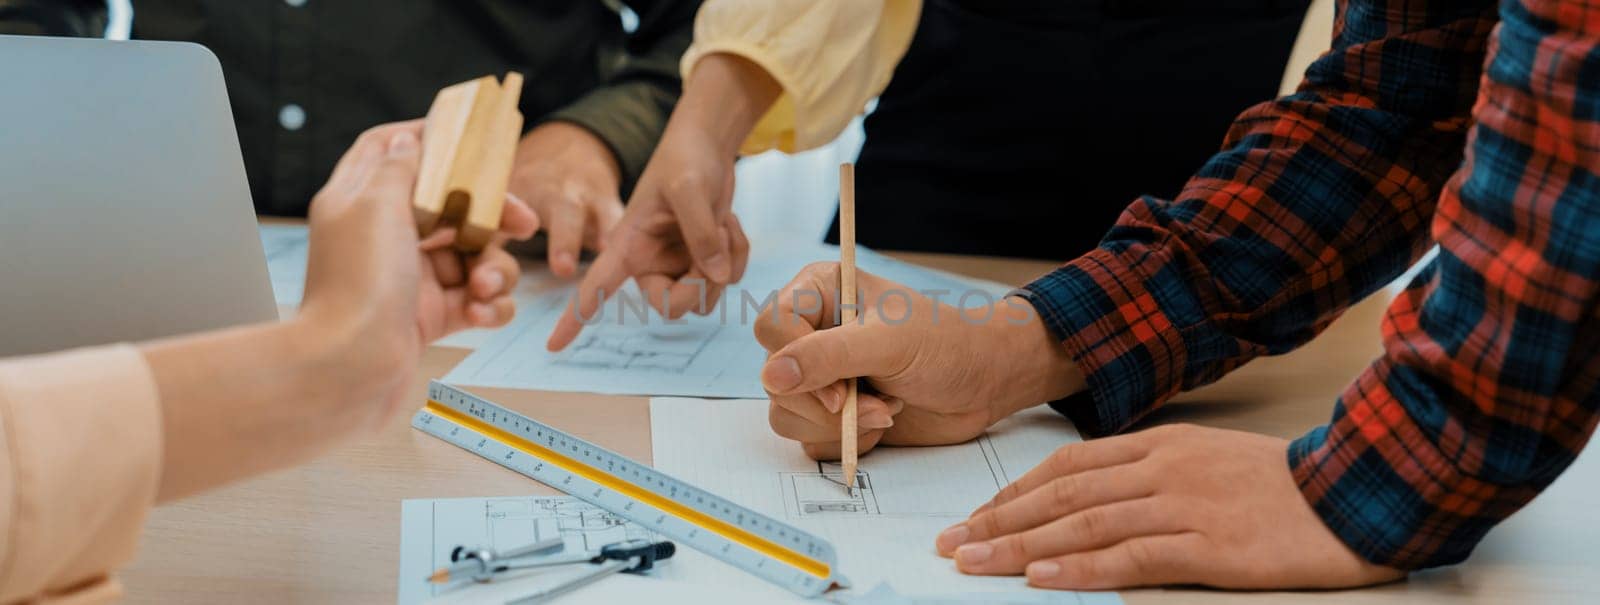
(80, 461)
(1316, 34)
(830, 57)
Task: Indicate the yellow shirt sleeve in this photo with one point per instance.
(830, 57)
(80, 460)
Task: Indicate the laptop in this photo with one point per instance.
(124, 210)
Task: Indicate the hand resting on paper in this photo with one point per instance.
(1177, 504)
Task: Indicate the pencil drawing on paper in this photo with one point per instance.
(809, 494)
(515, 522)
(663, 348)
(820, 493)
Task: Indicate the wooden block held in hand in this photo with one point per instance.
(468, 143)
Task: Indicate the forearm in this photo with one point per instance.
(1317, 200)
(1037, 368)
(829, 57)
(244, 401)
(629, 109)
(724, 99)
(1486, 391)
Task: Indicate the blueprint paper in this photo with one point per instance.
(286, 251)
(884, 531)
(541, 296)
(285, 247)
(629, 349)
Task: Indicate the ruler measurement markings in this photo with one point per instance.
(807, 568)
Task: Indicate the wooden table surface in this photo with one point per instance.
(329, 532)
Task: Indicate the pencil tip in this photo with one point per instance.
(439, 577)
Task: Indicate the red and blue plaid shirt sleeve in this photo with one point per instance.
(1490, 380)
(1489, 385)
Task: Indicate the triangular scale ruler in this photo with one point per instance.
(756, 543)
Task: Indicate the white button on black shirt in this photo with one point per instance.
(292, 116)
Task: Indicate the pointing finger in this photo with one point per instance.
(603, 279)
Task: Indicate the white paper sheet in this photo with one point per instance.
(631, 350)
(433, 528)
(884, 532)
(430, 529)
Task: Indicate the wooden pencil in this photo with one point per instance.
(847, 314)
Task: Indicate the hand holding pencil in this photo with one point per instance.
(843, 379)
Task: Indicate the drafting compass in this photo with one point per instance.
(484, 564)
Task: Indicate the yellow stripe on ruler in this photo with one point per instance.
(616, 484)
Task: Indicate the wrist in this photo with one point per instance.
(321, 348)
(1038, 368)
(342, 361)
(725, 97)
(556, 138)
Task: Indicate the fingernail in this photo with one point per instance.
(973, 554)
(566, 260)
(495, 281)
(481, 313)
(781, 374)
(403, 143)
(717, 267)
(1043, 570)
(832, 400)
(951, 538)
(876, 419)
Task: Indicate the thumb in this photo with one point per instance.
(397, 174)
(824, 357)
(694, 206)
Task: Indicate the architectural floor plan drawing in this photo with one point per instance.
(628, 356)
(514, 522)
(654, 348)
(627, 350)
(885, 527)
(822, 493)
(807, 494)
(433, 528)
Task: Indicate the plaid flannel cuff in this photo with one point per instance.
(1118, 331)
(1386, 490)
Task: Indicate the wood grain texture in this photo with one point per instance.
(442, 132)
(492, 174)
(848, 300)
(469, 144)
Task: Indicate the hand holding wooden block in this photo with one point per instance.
(468, 143)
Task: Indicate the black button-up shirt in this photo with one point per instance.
(308, 76)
